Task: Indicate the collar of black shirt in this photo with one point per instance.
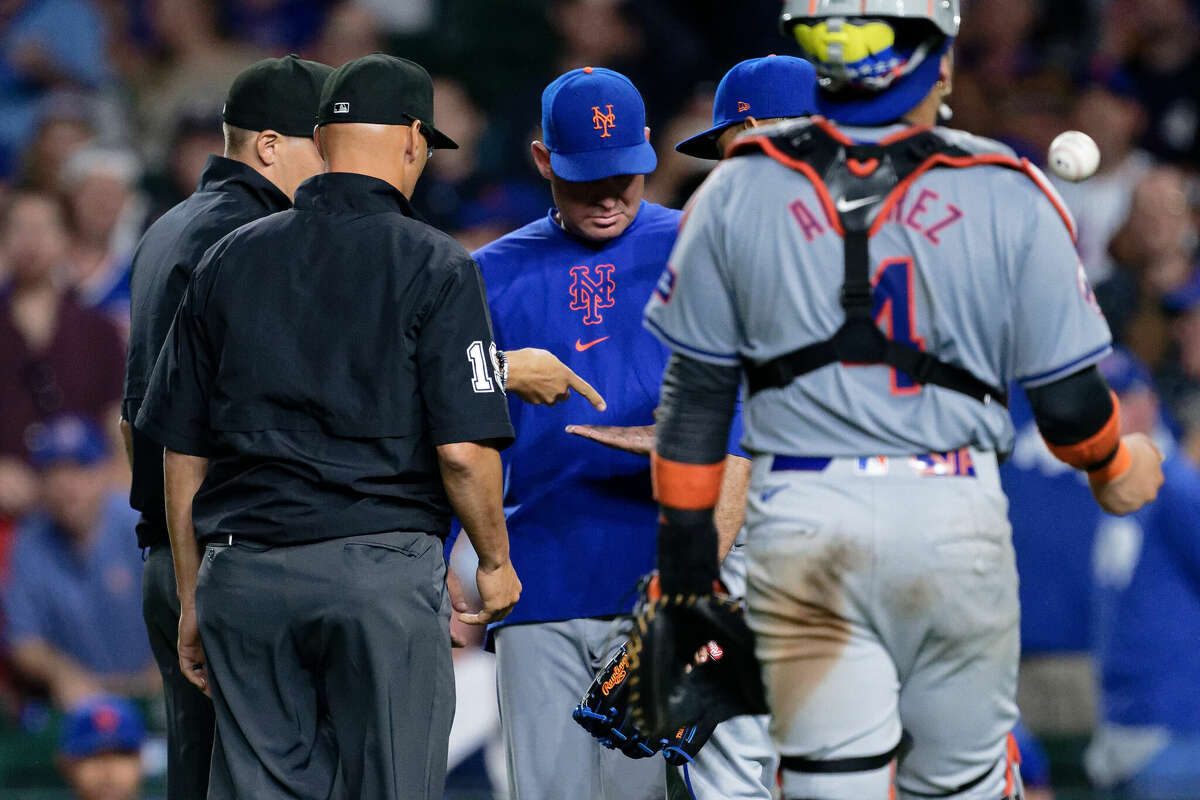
(224, 174)
(339, 192)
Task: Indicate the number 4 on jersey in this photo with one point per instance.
(894, 309)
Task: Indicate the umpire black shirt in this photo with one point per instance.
(230, 194)
(318, 358)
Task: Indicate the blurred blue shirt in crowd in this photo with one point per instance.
(1054, 521)
(1147, 575)
(86, 602)
(69, 36)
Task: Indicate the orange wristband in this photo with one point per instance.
(687, 487)
(1120, 464)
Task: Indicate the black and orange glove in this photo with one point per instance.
(691, 662)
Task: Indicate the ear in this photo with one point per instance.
(317, 141)
(541, 159)
(647, 133)
(414, 142)
(946, 70)
(750, 122)
(267, 145)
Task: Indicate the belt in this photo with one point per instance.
(954, 463)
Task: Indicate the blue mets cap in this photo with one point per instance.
(68, 438)
(764, 88)
(102, 725)
(594, 125)
(1125, 372)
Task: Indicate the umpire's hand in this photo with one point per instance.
(499, 589)
(191, 651)
(538, 377)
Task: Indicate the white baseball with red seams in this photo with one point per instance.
(1074, 156)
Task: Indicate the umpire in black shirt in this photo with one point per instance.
(267, 123)
(328, 396)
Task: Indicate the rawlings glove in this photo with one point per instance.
(691, 662)
(603, 711)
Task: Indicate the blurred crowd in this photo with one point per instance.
(110, 108)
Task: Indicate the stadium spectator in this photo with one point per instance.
(73, 605)
(64, 126)
(1056, 688)
(57, 357)
(1109, 112)
(1155, 249)
(1179, 377)
(195, 65)
(350, 31)
(107, 215)
(1159, 43)
(99, 749)
(197, 136)
(45, 45)
(453, 179)
(275, 25)
(1147, 569)
(678, 175)
(996, 42)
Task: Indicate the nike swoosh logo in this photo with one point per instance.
(770, 492)
(845, 206)
(580, 346)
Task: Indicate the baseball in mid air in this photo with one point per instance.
(1074, 156)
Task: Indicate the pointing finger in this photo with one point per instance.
(584, 388)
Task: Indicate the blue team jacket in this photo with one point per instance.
(581, 518)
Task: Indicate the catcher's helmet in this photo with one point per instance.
(875, 59)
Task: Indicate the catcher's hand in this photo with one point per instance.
(691, 661)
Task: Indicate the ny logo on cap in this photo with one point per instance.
(743, 106)
(603, 121)
(341, 108)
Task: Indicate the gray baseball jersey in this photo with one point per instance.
(976, 265)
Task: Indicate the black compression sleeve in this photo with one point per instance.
(1073, 409)
(695, 411)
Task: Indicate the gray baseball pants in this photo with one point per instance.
(189, 712)
(883, 597)
(330, 668)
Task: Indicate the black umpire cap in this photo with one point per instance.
(384, 90)
(278, 94)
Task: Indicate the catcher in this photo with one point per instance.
(876, 281)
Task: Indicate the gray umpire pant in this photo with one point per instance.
(330, 668)
(189, 712)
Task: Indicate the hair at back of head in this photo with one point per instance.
(237, 140)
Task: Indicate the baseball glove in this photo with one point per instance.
(603, 711)
(691, 662)
(704, 685)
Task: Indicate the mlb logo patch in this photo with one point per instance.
(341, 108)
(873, 466)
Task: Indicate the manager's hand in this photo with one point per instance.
(638, 439)
(538, 377)
(499, 589)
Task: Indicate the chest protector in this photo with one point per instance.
(859, 186)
